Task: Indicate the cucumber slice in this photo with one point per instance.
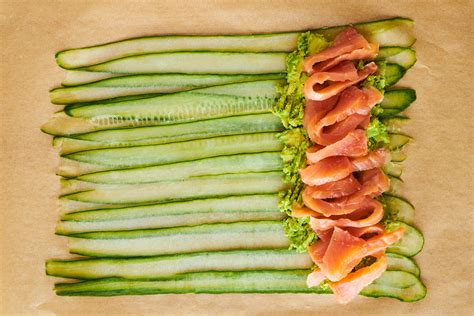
(396, 101)
(401, 285)
(397, 156)
(153, 242)
(395, 123)
(388, 32)
(398, 209)
(393, 169)
(188, 213)
(206, 103)
(146, 84)
(398, 262)
(292, 281)
(244, 163)
(411, 243)
(120, 158)
(202, 187)
(405, 57)
(169, 266)
(398, 141)
(396, 186)
(79, 77)
(155, 135)
(393, 74)
(195, 63)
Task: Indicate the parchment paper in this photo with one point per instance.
(438, 172)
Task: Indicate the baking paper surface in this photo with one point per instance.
(438, 173)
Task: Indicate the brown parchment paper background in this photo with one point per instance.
(438, 172)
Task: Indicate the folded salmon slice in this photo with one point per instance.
(352, 109)
(374, 159)
(335, 189)
(314, 91)
(368, 214)
(373, 182)
(339, 72)
(354, 144)
(343, 253)
(345, 42)
(327, 170)
(349, 287)
(315, 278)
(368, 52)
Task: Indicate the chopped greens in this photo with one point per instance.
(299, 232)
(290, 106)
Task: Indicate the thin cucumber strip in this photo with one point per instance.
(244, 163)
(397, 208)
(69, 206)
(410, 244)
(398, 262)
(395, 55)
(212, 102)
(229, 63)
(142, 156)
(234, 236)
(393, 73)
(398, 141)
(396, 101)
(397, 156)
(79, 77)
(146, 84)
(394, 124)
(188, 213)
(290, 281)
(396, 186)
(405, 57)
(195, 188)
(393, 169)
(388, 32)
(155, 135)
(169, 266)
(195, 63)
(401, 285)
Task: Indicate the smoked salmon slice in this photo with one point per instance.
(352, 109)
(345, 42)
(374, 159)
(327, 170)
(354, 144)
(323, 92)
(340, 72)
(349, 287)
(335, 189)
(368, 52)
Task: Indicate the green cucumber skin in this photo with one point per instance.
(206, 103)
(69, 60)
(148, 268)
(157, 135)
(289, 281)
(396, 101)
(410, 244)
(147, 85)
(179, 190)
(393, 74)
(153, 268)
(142, 156)
(203, 238)
(220, 165)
